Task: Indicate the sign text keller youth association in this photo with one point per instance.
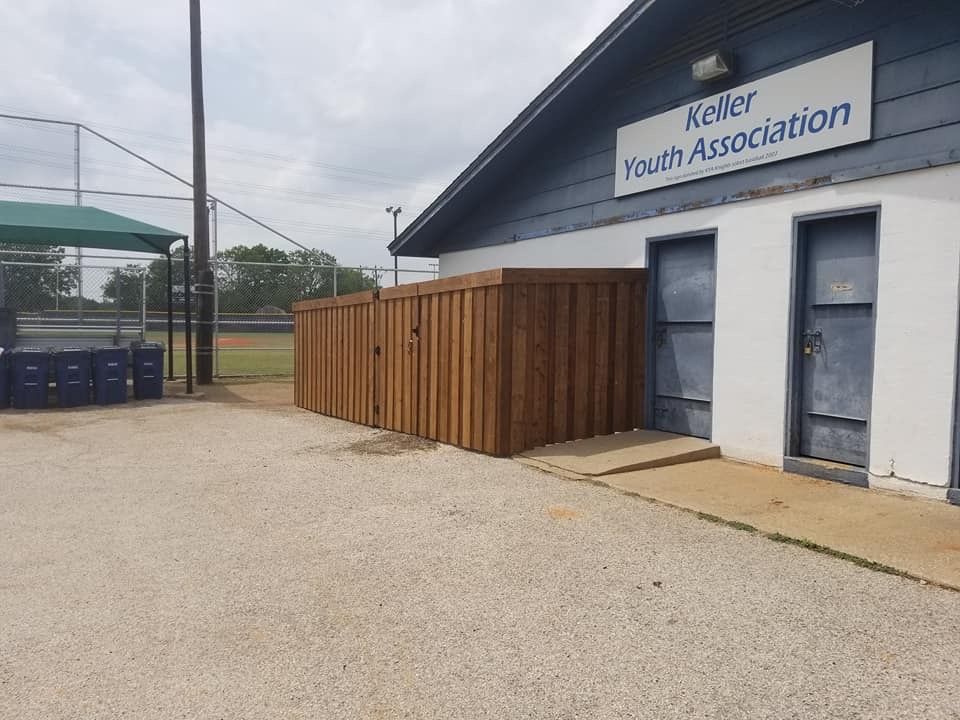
(815, 106)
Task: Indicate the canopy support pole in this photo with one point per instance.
(188, 325)
(169, 316)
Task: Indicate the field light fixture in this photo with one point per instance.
(712, 66)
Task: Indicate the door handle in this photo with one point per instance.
(660, 337)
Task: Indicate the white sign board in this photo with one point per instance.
(815, 106)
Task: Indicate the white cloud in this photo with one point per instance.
(318, 114)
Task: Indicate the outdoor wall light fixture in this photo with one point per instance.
(712, 66)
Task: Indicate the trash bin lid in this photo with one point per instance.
(146, 345)
(18, 350)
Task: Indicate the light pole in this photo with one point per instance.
(395, 211)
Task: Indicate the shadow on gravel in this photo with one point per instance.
(390, 443)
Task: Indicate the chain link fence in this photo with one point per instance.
(58, 298)
(58, 302)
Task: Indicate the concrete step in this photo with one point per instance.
(622, 452)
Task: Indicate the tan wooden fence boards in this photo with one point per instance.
(334, 364)
(575, 356)
(499, 361)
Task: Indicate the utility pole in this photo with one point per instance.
(395, 211)
(201, 227)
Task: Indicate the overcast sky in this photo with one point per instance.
(319, 114)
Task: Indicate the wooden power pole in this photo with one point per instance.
(201, 225)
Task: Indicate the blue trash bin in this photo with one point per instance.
(4, 380)
(110, 375)
(72, 370)
(30, 378)
(147, 370)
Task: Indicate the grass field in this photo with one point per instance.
(242, 353)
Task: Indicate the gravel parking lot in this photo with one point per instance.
(207, 560)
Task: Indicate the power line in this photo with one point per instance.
(172, 139)
(96, 192)
(385, 178)
(338, 230)
(166, 172)
(345, 202)
(274, 158)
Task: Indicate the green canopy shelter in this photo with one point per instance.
(89, 227)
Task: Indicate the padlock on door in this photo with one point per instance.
(812, 341)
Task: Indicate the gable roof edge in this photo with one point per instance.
(532, 111)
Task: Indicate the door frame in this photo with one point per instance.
(653, 244)
(953, 489)
(793, 461)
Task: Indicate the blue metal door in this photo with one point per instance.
(684, 292)
(835, 342)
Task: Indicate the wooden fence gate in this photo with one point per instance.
(498, 361)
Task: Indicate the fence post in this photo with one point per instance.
(143, 303)
(214, 252)
(170, 372)
(187, 324)
(334, 280)
(77, 200)
(116, 301)
(216, 311)
(79, 286)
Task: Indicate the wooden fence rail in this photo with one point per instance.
(498, 361)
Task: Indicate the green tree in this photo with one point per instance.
(283, 279)
(246, 288)
(157, 280)
(41, 283)
(318, 282)
(280, 279)
(125, 287)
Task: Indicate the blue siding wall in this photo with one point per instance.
(568, 184)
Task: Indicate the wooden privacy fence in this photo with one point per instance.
(498, 361)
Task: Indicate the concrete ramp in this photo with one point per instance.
(623, 452)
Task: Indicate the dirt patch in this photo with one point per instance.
(390, 443)
(55, 421)
(39, 424)
(558, 512)
(234, 342)
(273, 394)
